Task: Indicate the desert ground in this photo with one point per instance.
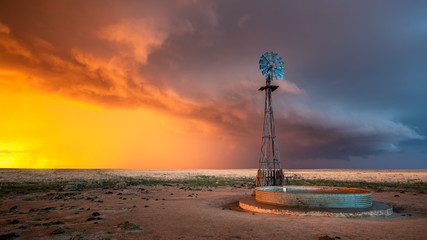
(368, 175)
(181, 211)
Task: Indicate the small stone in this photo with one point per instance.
(171, 193)
(157, 199)
(163, 199)
(396, 195)
(58, 231)
(326, 237)
(96, 214)
(22, 227)
(14, 207)
(146, 206)
(15, 221)
(9, 236)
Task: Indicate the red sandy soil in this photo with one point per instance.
(169, 212)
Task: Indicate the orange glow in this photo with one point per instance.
(91, 106)
(48, 131)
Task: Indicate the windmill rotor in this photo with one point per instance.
(271, 65)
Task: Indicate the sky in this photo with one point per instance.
(173, 84)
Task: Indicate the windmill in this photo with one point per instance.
(270, 171)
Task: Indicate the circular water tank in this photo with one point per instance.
(314, 197)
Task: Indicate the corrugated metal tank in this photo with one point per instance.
(314, 197)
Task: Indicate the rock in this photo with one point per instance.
(396, 195)
(15, 221)
(53, 223)
(8, 236)
(58, 231)
(14, 207)
(93, 219)
(326, 237)
(96, 214)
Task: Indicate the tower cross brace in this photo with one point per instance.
(270, 171)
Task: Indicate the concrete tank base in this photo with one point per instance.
(377, 209)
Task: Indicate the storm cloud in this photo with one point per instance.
(355, 76)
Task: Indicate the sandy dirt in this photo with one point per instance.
(179, 212)
(368, 175)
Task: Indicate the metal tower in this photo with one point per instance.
(270, 171)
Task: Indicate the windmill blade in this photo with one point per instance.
(264, 71)
(263, 66)
(274, 56)
(280, 75)
(263, 60)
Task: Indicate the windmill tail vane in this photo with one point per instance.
(270, 172)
